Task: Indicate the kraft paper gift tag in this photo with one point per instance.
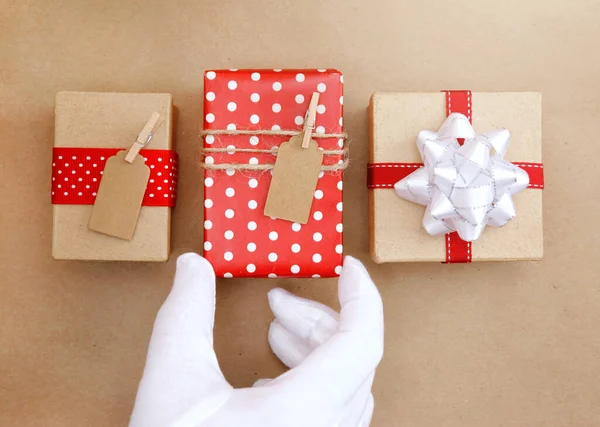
(294, 180)
(296, 173)
(120, 196)
(124, 181)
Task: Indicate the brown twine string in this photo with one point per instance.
(273, 151)
(343, 135)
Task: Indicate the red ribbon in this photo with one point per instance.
(76, 175)
(385, 175)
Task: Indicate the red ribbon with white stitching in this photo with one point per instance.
(76, 175)
(385, 175)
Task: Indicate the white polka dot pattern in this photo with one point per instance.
(80, 170)
(240, 241)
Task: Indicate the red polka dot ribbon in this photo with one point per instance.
(76, 175)
(385, 175)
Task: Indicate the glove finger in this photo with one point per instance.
(191, 303)
(335, 370)
(183, 330)
(262, 382)
(309, 320)
(368, 413)
(181, 366)
(288, 347)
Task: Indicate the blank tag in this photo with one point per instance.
(294, 181)
(120, 196)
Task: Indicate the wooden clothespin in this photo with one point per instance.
(144, 137)
(309, 120)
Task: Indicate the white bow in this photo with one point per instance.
(464, 187)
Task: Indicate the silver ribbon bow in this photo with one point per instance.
(464, 187)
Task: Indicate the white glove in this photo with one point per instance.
(332, 358)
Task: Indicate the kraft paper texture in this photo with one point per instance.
(494, 344)
(110, 120)
(395, 120)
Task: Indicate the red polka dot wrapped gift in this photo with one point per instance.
(247, 115)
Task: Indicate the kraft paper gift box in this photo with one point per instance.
(91, 127)
(396, 230)
(239, 240)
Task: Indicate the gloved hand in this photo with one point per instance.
(332, 358)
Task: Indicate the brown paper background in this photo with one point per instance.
(395, 120)
(489, 344)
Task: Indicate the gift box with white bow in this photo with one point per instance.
(455, 177)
